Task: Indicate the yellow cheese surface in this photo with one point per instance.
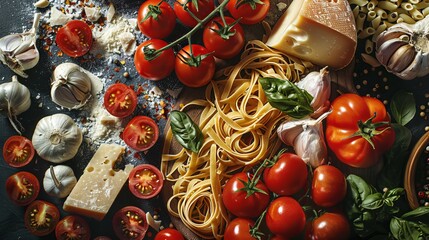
(100, 183)
(320, 31)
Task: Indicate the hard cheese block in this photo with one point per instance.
(320, 31)
(100, 183)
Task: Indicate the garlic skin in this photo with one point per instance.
(403, 49)
(19, 51)
(71, 86)
(59, 181)
(14, 100)
(57, 138)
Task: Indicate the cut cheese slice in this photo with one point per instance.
(99, 185)
(320, 31)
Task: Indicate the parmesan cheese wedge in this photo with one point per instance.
(320, 31)
(98, 187)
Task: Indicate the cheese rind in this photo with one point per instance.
(320, 31)
(100, 183)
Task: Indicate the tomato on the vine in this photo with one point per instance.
(151, 65)
(41, 217)
(145, 181)
(245, 197)
(120, 100)
(141, 133)
(72, 227)
(156, 19)
(18, 151)
(287, 176)
(328, 226)
(329, 186)
(169, 234)
(201, 10)
(239, 228)
(250, 11)
(195, 66)
(130, 223)
(74, 38)
(285, 217)
(22, 188)
(358, 130)
(224, 40)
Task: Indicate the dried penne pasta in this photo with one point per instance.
(366, 32)
(356, 11)
(376, 22)
(425, 11)
(379, 30)
(407, 18)
(360, 20)
(414, 2)
(372, 5)
(371, 15)
(392, 17)
(407, 6)
(416, 14)
(386, 5)
(381, 12)
(369, 46)
(421, 5)
(360, 3)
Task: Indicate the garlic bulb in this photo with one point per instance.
(57, 138)
(59, 181)
(19, 51)
(403, 49)
(71, 86)
(14, 100)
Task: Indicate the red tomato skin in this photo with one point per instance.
(329, 186)
(50, 211)
(205, 7)
(156, 184)
(235, 199)
(285, 217)
(15, 147)
(70, 47)
(328, 226)
(287, 176)
(246, 13)
(158, 28)
(347, 110)
(195, 76)
(239, 228)
(132, 132)
(72, 227)
(125, 91)
(169, 234)
(158, 68)
(22, 181)
(223, 48)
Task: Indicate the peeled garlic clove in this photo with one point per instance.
(41, 4)
(290, 129)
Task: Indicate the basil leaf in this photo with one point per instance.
(402, 229)
(420, 214)
(186, 132)
(287, 97)
(373, 201)
(403, 107)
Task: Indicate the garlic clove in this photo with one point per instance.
(41, 4)
(401, 58)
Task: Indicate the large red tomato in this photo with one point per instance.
(358, 130)
(329, 186)
(169, 234)
(239, 228)
(201, 10)
(285, 217)
(250, 11)
(74, 38)
(328, 226)
(151, 65)
(245, 198)
(156, 19)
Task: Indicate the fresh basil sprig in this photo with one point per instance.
(287, 97)
(403, 107)
(186, 132)
(411, 225)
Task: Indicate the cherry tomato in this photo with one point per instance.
(329, 186)
(278, 237)
(287, 176)
(204, 8)
(285, 217)
(236, 200)
(145, 181)
(22, 188)
(160, 66)
(328, 226)
(18, 151)
(169, 234)
(195, 70)
(247, 13)
(239, 228)
(41, 217)
(130, 223)
(74, 38)
(141, 133)
(72, 227)
(156, 19)
(224, 42)
(120, 100)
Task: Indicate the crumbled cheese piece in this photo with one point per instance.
(110, 13)
(58, 18)
(156, 91)
(41, 4)
(128, 42)
(92, 13)
(155, 224)
(281, 6)
(133, 23)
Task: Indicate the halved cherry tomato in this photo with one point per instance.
(120, 100)
(130, 223)
(156, 19)
(18, 151)
(285, 217)
(239, 228)
(72, 227)
(158, 67)
(169, 234)
(145, 181)
(250, 11)
(329, 186)
(74, 38)
(224, 42)
(41, 217)
(22, 188)
(328, 226)
(201, 11)
(141, 133)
